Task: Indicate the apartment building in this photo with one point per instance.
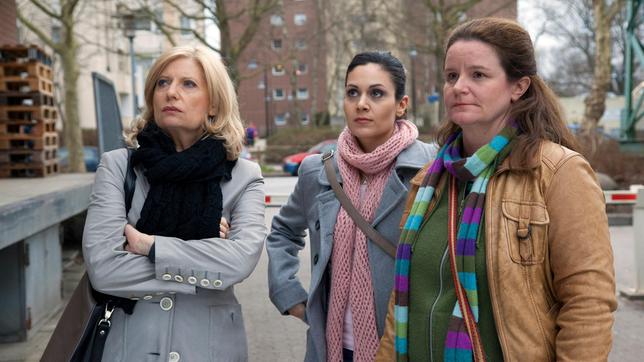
(104, 48)
(283, 70)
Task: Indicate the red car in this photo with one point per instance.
(292, 163)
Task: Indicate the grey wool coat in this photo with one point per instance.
(313, 206)
(186, 308)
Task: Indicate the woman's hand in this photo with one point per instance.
(298, 311)
(137, 242)
(224, 228)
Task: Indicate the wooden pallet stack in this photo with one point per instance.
(28, 138)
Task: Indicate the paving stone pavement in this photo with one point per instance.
(273, 337)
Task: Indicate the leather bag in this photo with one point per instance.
(83, 328)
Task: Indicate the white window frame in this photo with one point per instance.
(186, 30)
(276, 71)
(279, 97)
(280, 119)
(302, 93)
(299, 19)
(306, 119)
(277, 20)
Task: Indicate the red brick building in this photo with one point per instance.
(8, 29)
(283, 70)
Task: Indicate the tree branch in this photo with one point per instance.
(39, 33)
(45, 9)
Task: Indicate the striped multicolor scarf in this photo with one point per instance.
(478, 167)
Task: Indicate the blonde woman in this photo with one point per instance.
(170, 253)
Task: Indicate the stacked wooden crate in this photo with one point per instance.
(28, 138)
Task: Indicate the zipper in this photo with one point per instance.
(430, 212)
(431, 312)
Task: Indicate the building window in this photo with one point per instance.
(302, 68)
(278, 69)
(252, 64)
(302, 93)
(305, 119)
(277, 20)
(278, 94)
(276, 44)
(300, 44)
(299, 19)
(280, 119)
(186, 25)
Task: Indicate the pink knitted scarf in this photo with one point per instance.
(350, 271)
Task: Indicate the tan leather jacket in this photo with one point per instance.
(549, 260)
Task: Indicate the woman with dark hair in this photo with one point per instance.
(505, 254)
(351, 276)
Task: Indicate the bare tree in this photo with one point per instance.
(223, 14)
(66, 47)
(572, 24)
(604, 14)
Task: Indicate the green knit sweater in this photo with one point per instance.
(432, 296)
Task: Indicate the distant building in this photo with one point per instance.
(105, 49)
(283, 70)
(8, 30)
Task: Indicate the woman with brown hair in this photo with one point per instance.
(505, 252)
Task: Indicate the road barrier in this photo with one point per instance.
(623, 196)
(275, 200)
(637, 292)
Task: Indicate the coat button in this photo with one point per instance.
(178, 278)
(204, 283)
(174, 356)
(217, 283)
(192, 280)
(166, 303)
(315, 259)
(317, 225)
(166, 276)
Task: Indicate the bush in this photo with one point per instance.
(303, 136)
(288, 141)
(605, 156)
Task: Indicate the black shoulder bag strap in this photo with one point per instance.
(366, 228)
(130, 181)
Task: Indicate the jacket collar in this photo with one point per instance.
(511, 163)
(411, 157)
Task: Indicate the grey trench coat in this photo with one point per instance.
(313, 206)
(186, 307)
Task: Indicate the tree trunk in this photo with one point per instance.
(71, 128)
(595, 102)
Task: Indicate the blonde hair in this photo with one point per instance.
(227, 124)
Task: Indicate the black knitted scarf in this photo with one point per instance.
(185, 199)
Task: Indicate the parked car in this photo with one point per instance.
(90, 155)
(292, 163)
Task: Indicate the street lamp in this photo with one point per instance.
(267, 99)
(128, 21)
(412, 55)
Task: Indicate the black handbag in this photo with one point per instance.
(83, 328)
